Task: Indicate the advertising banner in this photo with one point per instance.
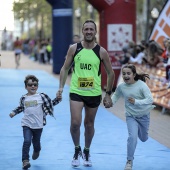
(162, 25)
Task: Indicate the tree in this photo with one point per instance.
(36, 14)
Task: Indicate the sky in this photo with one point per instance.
(6, 15)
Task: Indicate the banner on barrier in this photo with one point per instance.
(161, 29)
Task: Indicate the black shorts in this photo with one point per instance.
(17, 54)
(90, 101)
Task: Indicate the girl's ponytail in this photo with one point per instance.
(141, 76)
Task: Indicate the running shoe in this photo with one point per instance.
(26, 164)
(35, 155)
(76, 158)
(86, 158)
(129, 165)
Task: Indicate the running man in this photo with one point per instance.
(17, 50)
(85, 87)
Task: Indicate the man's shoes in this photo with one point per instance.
(86, 158)
(129, 165)
(76, 158)
(26, 164)
(35, 155)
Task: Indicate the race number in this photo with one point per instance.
(86, 83)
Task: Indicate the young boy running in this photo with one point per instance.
(35, 107)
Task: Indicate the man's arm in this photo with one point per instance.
(110, 77)
(65, 68)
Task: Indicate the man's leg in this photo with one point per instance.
(17, 59)
(76, 119)
(90, 114)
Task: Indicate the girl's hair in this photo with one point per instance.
(32, 77)
(141, 76)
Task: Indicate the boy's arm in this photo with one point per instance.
(55, 101)
(47, 104)
(12, 114)
(17, 110)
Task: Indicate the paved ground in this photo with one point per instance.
(160, 124)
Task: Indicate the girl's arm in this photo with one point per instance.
(147, 94)
(116, 95)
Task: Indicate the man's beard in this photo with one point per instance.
(87, 40)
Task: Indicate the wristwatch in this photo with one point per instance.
(109, 92)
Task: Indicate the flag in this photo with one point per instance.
(161, 28)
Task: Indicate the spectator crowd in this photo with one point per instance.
(151, 54)
(37, 50)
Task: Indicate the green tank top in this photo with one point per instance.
(86, 77)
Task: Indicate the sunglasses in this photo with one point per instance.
(32, 84)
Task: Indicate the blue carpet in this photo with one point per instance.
(108, 149)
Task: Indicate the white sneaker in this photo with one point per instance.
(76, 158)
(86, 159)
(128, 165)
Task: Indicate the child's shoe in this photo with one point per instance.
(35, 155)
(129, 165)
(26, 164)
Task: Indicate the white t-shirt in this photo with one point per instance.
(33, 113)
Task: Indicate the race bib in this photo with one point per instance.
(86, 83)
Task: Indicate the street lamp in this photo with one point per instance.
(78, 16)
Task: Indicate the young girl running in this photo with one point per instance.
(138, 103)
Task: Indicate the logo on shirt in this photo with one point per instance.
(78, 57)
(31, 103)
(85, 66)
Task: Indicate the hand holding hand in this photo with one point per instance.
(107, 101)
(59, 94)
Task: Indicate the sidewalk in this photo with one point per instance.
(159, 126)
